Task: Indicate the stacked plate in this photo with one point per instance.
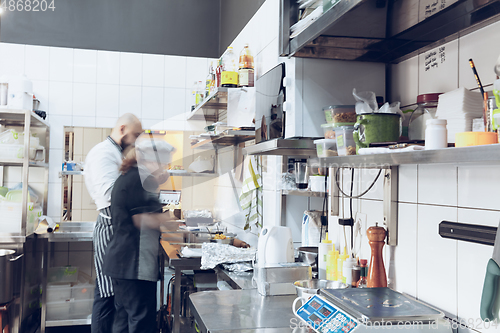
(459, 107)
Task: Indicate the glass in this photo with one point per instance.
(301, 176)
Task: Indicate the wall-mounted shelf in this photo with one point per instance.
(7, 162)
(184, 173)
(288, 147)
(70, 173)
(12, 117)
(231, 138)
(211, 107)
(390, 32)
(474, 154)
(303, 193)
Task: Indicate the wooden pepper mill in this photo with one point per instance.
(376, 272)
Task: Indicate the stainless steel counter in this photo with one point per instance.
(71, 232)
(243, 311)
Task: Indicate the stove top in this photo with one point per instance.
(377, 304)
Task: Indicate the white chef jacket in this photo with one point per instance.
(101, 171)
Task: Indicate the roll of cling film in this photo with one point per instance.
(229, 78)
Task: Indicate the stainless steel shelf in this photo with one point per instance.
(289, 147)
(184, 173)
(232, 138)
(20, 163)
(11, 117)
(67, 322)
(303, 193)
(474, 154)
(209, 109)
(70, 173)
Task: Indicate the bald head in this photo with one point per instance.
(127, 129)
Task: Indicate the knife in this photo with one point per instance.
(490, 298)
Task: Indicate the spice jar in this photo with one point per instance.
(426, 109)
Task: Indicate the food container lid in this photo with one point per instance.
(349, 127)
(424, 98)
(321, 141)
(339, 107)
(436, 122)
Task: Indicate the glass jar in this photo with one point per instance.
(426, 109)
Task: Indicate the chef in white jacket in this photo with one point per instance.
(101, 171)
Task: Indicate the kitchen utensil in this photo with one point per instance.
(308, 288)
(301, 173)
(376, 127)
(7, 260)
(376, 272)
(275, 245)
(490, 299)
(308, 254)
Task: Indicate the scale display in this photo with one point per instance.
(323, 317)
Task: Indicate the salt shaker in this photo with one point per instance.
(436, 135)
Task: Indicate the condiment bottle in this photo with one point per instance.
(324, 247)
(340, 265)
(229, 75)
(246, 69)
(376, 272)
(426, 109)
(331, 267)
(356, 274)
(436, 135)
(362, 283)
(208, 81)
(347, 271)
(218, 73)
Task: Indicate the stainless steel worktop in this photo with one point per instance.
(71, 232)
(242, 310)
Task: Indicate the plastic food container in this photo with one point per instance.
(83, 291)
(345, 142)
(326, 147)
(16, 152)
(329, 131)
(58, 292)
(68, 274)
(340, 114)
(11, 213)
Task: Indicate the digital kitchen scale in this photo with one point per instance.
(360, 309)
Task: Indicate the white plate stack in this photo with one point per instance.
(459, 107)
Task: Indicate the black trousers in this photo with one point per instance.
(135, 302)
(103, 313)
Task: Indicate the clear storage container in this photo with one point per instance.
(326, 147)
(340, 114)
(58, 292)
(16, 152)
(329, 131)
(67, 274)
(345, 141)
(11, 214)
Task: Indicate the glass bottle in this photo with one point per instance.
(229, 75)
(362, 283)
(194, 91)
(426, 109)
(213, 82)
(208, 81)
(218, 73)
(200, 92)
(246, 68)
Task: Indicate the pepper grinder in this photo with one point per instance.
(376, 272)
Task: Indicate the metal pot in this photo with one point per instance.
(7, 274)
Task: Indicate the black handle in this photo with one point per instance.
(468, 232)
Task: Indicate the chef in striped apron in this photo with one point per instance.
(101, 171)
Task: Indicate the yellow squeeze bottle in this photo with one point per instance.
(331, 265)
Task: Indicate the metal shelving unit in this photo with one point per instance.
(282, 147)
(184, 173)
(31, 265)
(303, 193)
(212, 107)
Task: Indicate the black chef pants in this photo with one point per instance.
(135, 302)
(103, 313)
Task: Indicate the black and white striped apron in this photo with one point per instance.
(103, 232)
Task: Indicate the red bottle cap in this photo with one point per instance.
(425, 98)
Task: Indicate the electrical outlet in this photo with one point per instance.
(361, 219)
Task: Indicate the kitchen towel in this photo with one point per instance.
(251, 193)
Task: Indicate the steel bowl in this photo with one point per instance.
(308, 254)
(227, 240)
(308, 288)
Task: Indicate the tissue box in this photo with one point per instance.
(278, 279)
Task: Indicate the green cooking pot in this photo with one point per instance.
(376, 127)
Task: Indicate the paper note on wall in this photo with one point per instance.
(241, 107)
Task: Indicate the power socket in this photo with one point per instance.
(361, 219)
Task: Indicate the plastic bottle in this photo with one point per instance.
(229, 75)
(208, 81)
(213, 83)
(200, 92)
(436, 135)
(331, 268)
(218, 73)
(362, 283)
(340, 265)
(246, 68)
(324, 247)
